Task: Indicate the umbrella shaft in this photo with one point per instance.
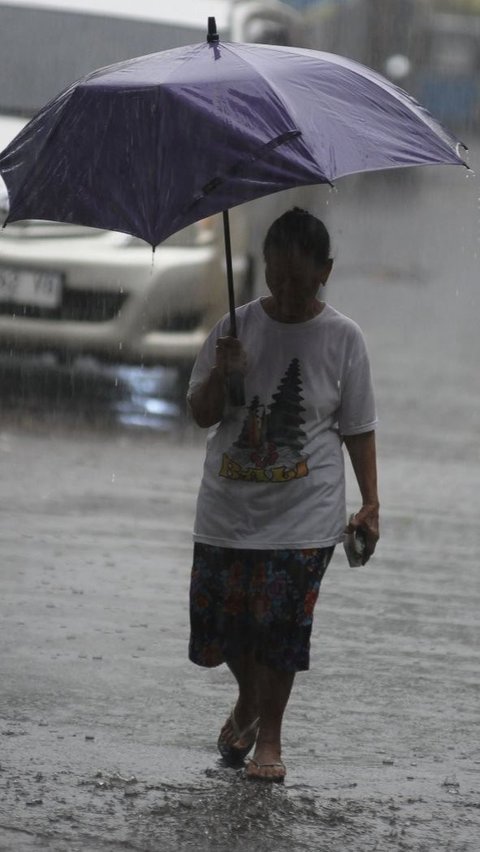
(228, 258)
(235, 382)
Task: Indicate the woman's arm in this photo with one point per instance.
(207, 402)
(362, 452)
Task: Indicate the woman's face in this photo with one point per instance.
(294, 279)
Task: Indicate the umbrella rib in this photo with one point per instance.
(285, 104)
(237, 167)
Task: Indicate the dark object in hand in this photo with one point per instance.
(354, 544)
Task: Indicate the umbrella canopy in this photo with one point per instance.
(150, 145)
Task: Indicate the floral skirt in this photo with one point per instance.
(254, 601)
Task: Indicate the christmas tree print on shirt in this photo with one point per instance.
(269, 447)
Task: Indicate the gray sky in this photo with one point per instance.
(179, 11)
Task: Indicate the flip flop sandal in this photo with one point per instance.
(231, 755)
(272, 779)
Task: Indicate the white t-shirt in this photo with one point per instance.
(274, 470)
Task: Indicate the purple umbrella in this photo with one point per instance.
(150, 145)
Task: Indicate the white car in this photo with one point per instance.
(76, 290)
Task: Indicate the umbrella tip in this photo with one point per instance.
(212, 35)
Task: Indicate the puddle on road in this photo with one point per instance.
(239, 816)
(223, 811)
(89, 394)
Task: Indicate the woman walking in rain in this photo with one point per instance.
(271, 506)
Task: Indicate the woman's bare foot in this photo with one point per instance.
(238, 735)
(266, 764)
(242, 718)
(267, 690)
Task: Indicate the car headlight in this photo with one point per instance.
(199, 234)
(4, 202)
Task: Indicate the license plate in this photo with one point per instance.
(28, 287)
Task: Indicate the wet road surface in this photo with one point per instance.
(107, 733)
(89, 394)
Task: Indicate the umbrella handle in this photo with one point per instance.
(236, 389)
(235, 382)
